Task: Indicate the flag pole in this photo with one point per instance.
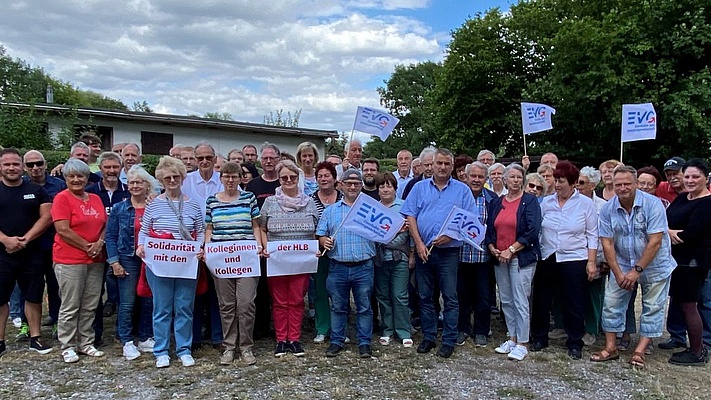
(525, 153)
(622, 147)
(333, 236)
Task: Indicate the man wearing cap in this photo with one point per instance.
(351, 268)
(673, 185)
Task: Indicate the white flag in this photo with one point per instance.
(372, 220)
(536, 117)
(374, 122)
(464, 225)
(639, 122)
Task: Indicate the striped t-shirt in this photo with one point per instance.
(161, 218)
(232, 220)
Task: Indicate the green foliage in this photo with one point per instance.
(278, 118)
(222, 116)
(141, 107)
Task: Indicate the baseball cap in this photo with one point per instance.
(352, 173)
(674, 164)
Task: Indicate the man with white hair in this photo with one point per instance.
(353, 154)
(131, 155)
(403, 173)
(427, 162)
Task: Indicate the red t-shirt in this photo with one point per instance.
(137, 223)
(665, 191)
(505, 224)
(86, 218)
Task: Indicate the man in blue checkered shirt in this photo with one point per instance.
(351, 268)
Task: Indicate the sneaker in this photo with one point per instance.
(146, 346)
(70, 356)
(130, 351)
(55, 332)
(17, 322)
(248, 357)
(385, 340)
(538, 345)
(162, 361)
(518, 353)
(91, 351)
(407, 343)
(295, 349)
(3, 348)
(48, 321)
(671, 344)
(494, 310)
(425, 346)
(588, 339)
(333, 350)
(687, 358)
(445, 351)
(557, 334)
(462, 338)
(24, 333)
(505, 347)
(227, 357)
(109, 309)
(37, 345)
(365, 351)
(705, 354)
(187, 360)
(480, 341)
(320, 338)
(280, 349)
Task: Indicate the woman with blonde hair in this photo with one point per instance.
(607, 191)
(306, 159)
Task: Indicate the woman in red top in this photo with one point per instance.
(80, 220)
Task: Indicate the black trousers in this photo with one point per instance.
(474, 293)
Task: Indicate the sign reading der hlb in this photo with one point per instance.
(292, 257)
(235, 259)
(169, 258)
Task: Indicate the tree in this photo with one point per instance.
(405, 97)
(141, 107)
(223, 116)
(277, 118)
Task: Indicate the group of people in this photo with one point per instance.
(565, 242)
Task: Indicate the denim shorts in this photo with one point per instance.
(654, 300)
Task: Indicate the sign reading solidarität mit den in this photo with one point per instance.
(169, 258)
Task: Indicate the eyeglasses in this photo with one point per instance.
(32, 164)
(231, 177)
(201, 158)
(270, 158)
(136, 183)
(351, 184)
(582, 183)
(172, 178)
(534, 186)
(289, 178)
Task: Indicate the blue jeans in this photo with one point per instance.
(654, 298)
(127, 292)
(675, 320)
(17, 304)
(172, 296)
(342, 279)
(207, 303)
(441, 267)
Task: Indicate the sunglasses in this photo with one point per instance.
(582, 183)
(201, 158)
(534, 186)
(289, 178)
(32, 164)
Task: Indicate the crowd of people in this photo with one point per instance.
(566, 249)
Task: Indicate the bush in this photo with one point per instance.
(55, 157)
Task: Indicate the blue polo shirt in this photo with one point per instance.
(347, 246)
(430, 206)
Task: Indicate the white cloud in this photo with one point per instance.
(242, 57)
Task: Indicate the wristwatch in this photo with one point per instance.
(512, 249)
(638, 268)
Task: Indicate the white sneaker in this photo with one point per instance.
(130, 351)
(17, 322)
(187, 360)
(146, 346)
(162, 361)
(407, 343)
(505, 347)
(320, 339)
(70, 356)
(518, 353)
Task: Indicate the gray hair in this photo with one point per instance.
(110, 155)
(485, 152)
(32, 152)
(591, 173)
(137, 171)
(625, 168)
(497, 166)
(477, 164)
(545, 167)
(512, 166)
(446, 153)
(348, 144)
(205, 144)
(428, 151)
(267, 145)
(534, 176)
(79, 145)
(133, 144)
(75, 166)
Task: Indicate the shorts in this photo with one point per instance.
(25, 270)
(686, 283)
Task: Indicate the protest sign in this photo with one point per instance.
(374, 122)
(172, 258)
(292, 257)
(233, 259)
(372, 220)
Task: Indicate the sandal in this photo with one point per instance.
(385, 340)
(91, 351)
(637, 360)
(623, 344)
(604, 355)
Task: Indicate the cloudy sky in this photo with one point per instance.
(246, 58)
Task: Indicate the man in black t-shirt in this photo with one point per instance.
(24, 216)
(371, 169)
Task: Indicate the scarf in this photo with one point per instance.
(291, 204)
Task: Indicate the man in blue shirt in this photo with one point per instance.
(351, 268)
(633, 231)
(426, 208)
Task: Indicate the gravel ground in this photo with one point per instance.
(392, 373)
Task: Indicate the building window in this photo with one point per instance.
(156, 142)
(106, 133)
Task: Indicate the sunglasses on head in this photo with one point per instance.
(32, 164)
